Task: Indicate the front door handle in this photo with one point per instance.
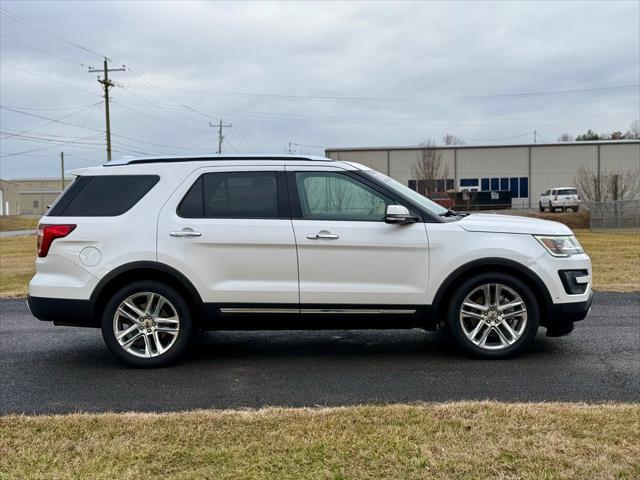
(323, 235)
(185, 233)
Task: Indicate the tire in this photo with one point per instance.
(150, 331)
(540, 207)
(464, 324)
(575, 209)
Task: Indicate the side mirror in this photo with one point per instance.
(399, 215)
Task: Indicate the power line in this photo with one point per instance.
(156, 105)
(164, 94)
(13, 154)
(47, 78)
(43, 51)
(409, 98)
(156, 118)
(372, 119)
(237, 134)
(4, 107)
(53, 108)
(53, 121)
(48, 32)
(58, 141)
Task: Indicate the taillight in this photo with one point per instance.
(48, 233)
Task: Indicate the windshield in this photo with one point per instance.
(404, 191)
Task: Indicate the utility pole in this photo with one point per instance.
(535, 136)
(220, 135)
(61, 171)
(106, 84)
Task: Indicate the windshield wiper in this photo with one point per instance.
(452, 213)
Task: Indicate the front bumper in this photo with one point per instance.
(560, 316)
(63, 311)
(570, 312)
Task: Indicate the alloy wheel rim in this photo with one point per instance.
(146, 324)
(493, 316)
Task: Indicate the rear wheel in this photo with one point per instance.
(147, 324)
(493, 315)
(575, 209)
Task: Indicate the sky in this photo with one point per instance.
(304, 76)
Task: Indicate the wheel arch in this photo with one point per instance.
(443, 296)
(147, 270)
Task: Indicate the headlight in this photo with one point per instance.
(560, 246)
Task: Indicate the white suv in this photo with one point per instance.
(563, 198)
(152, 250)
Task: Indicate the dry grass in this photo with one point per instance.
(15, 222)
(17, 265)
(615, 256)
(468, 440)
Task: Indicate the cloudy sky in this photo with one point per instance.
(314, 74)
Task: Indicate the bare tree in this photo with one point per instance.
(449, 139)
(429, 168)
(565, 137)
(590, 185)
(623, 185)
(634, 131)
(608, 186)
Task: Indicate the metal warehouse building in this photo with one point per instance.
(525, 170)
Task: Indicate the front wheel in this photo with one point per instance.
(493, 315)
(147, 324)
(540, 207)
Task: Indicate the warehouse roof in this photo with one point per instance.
(515, 145)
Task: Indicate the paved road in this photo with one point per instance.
(56, 369)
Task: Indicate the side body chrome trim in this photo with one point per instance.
(320, 311)
(228, 311)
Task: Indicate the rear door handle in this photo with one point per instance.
(185, 233)
(323, 235)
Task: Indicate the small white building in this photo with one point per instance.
(525, 170)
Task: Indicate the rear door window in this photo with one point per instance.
(232, 195)
(102, 195)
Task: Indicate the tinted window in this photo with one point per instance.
(103, 195)
(333, 196)
(232, 195)
(567, 191)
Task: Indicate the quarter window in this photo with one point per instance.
(232, 195)
(102, 195)
(334, 196)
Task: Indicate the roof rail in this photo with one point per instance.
(214, 158)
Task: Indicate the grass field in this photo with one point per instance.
(616, 262)
(14, 222)
(443, 441)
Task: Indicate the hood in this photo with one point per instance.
(477, 222)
